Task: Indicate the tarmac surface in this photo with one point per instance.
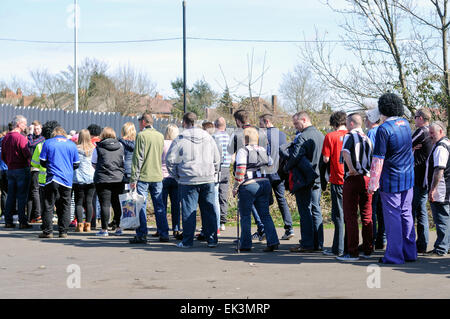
(109, 267)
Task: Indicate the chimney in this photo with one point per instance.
(158, 96)
(274, 104)
(19, 92)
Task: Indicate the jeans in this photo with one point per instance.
(203, 196)
(170, 188)
(155, 189)
(441, 217)
(18, 188)
(337, 216)
(34, 202)
(379, 231)
(311, 222)
(279, 190)
(420, 213)
(256, 195)
(223, 193)
(84, 193)
(217, 204)
(108, 195)
(59, 196)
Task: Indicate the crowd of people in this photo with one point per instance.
(387, 174)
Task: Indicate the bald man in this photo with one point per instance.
(357, 155)
(223, 139)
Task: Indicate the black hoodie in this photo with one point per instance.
(110, 165)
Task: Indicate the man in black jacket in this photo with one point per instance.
(307, 144)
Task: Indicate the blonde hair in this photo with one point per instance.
(108, 132)
(59, 131)
(129, 131)
(251, 136)
(172, 132)
(84, 142)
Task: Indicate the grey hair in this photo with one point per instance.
(441, 125)
(18, 119)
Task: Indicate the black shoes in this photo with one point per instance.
(138, 240)
(178, 235)
(155, 234)
(10, 225)
(25, 226)
(43, 235)
(201, 237)
(269, 249)
(164, 239)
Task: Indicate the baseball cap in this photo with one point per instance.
(373, 115)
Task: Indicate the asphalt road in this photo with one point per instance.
(112, 268)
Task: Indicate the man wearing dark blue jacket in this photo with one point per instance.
(275, 139)
(307, 145)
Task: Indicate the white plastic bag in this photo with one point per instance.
(131, 204)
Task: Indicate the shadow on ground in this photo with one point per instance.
(226, 250)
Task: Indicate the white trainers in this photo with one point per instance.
(102, 233)
(287, 236)
(347, 258)
(222, 227)
(329, 253)
(180, 245)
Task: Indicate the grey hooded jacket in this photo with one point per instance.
(193, 158)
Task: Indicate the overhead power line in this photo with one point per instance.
(189, 38)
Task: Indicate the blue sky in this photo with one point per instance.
(108, 20)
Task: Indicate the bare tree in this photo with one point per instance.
(51, 87)
(87, 70)
(131, 86)
(438, 20)
(301, 90)
(371, 33)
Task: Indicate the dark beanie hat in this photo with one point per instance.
(390, 104)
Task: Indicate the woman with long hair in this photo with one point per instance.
(170, 185)
(83, 182)
(108, 162)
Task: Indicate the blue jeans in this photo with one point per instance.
(311, 222)
(203, 196)
(170, 188)
(155, 189)
(279, 190)
(337, 216)
(18, 189)
(217, 204)
(420, 213)
(441, 217)
(256, 195)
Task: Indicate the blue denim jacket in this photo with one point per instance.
(84, 174)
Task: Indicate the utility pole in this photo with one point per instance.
(75, 66)
(184, 56)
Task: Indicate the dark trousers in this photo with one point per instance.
(83, 193)
(337, 216)
(34, 198)
(18, 188)
(279, 190)
(311, 221)
(223, 193)
(170, 188)
(3, 189)
(59, 196)
(379, 232)
(355, 195)
(108, 195)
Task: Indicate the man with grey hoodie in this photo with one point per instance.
(194, 159)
